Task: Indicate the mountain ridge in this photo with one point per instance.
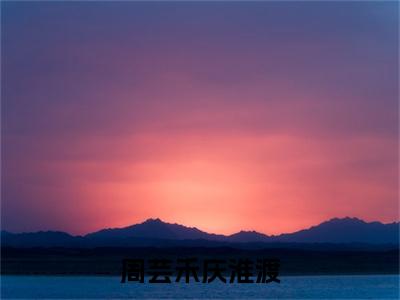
(155, 231)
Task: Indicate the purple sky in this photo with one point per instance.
(225, 116)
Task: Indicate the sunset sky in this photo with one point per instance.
(259, 116)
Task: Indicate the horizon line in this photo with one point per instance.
(194, 227)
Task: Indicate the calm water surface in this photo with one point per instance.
(296, 287)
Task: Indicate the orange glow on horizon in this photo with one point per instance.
(225, 189)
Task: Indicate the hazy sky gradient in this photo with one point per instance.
(225, 116)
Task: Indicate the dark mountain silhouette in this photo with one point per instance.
(346, 230)
(248, 237)
(155, 229)
(154, 232)
(38, 239)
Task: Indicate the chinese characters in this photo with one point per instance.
(241, 270)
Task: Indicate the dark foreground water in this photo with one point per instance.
(296, 287)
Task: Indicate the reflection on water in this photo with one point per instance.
(293, 287)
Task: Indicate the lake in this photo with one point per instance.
(291, 287)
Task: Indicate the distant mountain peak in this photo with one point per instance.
(154, 220)
(352, 221)
(248, 236)
(346, 219)
(248, 232)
